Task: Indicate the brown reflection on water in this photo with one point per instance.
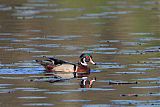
(123, 36)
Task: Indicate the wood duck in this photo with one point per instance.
(86, 83)
(81, 69)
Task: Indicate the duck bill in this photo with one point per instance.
(92, 61)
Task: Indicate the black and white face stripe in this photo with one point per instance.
(83, 62)
(86, 83)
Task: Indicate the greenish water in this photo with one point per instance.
(122, 35)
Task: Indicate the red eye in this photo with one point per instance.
(87, 57)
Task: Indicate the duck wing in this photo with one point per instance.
(44, 62)
(60, 62)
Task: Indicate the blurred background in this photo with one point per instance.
(122, 35)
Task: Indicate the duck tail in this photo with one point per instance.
(44, 62)
(38, 61)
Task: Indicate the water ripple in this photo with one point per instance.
(38, 104)
(44, 45)
(21, 70)
(32, 97)
(58, 92)
(76, 100)
(99, 105)
(146, 87)
(135, 102)
(5, 7)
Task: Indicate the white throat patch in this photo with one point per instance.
(84, 64)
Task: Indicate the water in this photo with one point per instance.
(123, 37)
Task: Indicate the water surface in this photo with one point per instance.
(123, 37)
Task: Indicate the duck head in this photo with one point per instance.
(85, 58)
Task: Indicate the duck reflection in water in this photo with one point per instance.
(68, 70)
(86, 83)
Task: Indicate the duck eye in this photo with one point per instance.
(87, 59)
